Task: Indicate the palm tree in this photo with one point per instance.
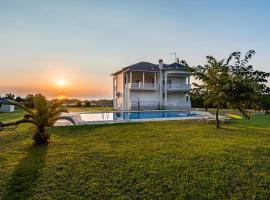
(43, 115)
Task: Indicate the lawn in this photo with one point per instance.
(153, 160)
(89, 109)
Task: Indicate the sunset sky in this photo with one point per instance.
(62, 47)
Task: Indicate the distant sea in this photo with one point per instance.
(79, 97)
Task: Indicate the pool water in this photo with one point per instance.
(134, 115)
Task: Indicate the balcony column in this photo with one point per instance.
(188, 80)
(143, 79)
(114, 93)
(127, 92)
(130, 76)
(166, 76)
(155, 80)
(160, 89)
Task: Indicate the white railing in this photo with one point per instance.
(178, 87)
(143, 86)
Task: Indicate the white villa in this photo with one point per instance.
(147, 86)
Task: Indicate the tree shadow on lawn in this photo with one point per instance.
(25, 176)
(83, 129)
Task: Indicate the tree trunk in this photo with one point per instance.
(41, 136)
(217, 120)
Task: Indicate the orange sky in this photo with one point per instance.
(45, 80)
(83, 42)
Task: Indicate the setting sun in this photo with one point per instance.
(61, 82)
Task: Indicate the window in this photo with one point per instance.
(169, 83)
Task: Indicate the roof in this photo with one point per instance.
(150, 67)
(4, 101)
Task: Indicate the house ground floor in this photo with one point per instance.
(151, 100)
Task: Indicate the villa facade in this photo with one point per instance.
(147, 86)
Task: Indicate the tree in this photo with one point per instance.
(10, 96)
(87, 103)
(19, 99)
(232, 84)
(264, 103)
(43, 115)
(29, 101)
(78, 103)
(197, 100)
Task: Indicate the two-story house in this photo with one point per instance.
(147, 86)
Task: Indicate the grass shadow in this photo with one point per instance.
(80, 129)
(25, 176)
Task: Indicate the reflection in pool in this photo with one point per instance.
(135, 115)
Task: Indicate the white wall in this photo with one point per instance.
(148, 99)
(119, 88)
(177, 101)
(7, 108)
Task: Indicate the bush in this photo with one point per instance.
(79, 103)
(87, 103)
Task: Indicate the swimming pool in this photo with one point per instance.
(123, 116)
(131, 116)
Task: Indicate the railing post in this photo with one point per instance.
(143, 80)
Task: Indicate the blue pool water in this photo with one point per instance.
(134, 115)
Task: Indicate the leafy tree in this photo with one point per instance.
(197, 100)
(29, 101)
(232, 84)
(43, 115)
(10, 96)
(78, 103)
(87, 103)
(264, 103)
(19, 99)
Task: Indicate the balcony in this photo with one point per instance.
(143, 86)
(178, 87)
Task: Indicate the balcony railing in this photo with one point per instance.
(178, 87)
(152, 86)
(143, 86)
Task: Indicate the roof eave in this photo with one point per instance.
(120, 71)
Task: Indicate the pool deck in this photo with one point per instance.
(201, 116)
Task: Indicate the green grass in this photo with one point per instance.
(17, 114)
(88, 109)
(153, 160)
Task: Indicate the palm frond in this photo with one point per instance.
(70, 119)
(15, 103)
